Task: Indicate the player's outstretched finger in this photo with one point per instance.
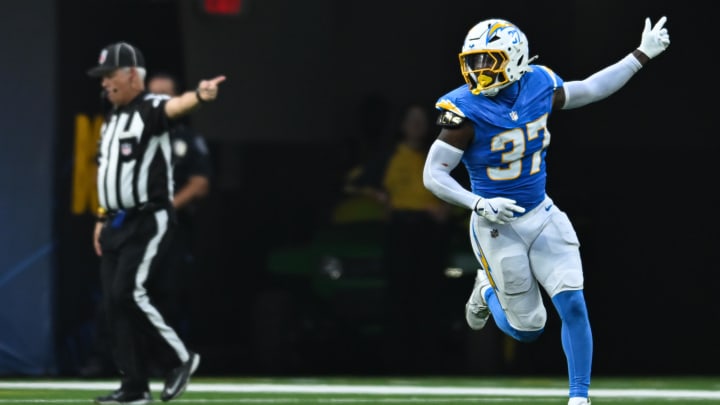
(660, 23)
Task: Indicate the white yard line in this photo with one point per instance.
(352, 401)
(375, 389)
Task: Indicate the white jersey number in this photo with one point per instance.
(519, 138)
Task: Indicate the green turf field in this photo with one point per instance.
(375, 390)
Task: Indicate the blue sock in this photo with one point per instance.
(577, 340)
(498, 315)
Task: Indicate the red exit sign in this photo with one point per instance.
(229, 8)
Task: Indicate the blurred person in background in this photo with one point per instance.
(496, 125)
(136, 220)
(415, 248)
(362, 198)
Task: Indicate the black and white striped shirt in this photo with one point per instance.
(134, 159)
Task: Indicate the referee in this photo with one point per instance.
(137, 219)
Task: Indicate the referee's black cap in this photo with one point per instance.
(115, 56)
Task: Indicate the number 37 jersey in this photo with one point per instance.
(506, 158)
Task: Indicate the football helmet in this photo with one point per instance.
(494, 55)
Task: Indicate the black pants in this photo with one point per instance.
(137, 330)
(169, 284)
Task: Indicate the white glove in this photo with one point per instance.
(499, 209)
(654, 40)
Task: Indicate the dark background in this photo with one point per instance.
(306, 82)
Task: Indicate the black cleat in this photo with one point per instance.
(124, 397)
(177, 379)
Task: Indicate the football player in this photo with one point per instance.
(497, 126)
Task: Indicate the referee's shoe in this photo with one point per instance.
(178, 378)
(121, 396)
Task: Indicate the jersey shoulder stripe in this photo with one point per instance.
(557, 81)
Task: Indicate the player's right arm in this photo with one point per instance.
(445, 154)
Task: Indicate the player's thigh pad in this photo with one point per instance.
(520, 294)
(555, 256)
(505, 254)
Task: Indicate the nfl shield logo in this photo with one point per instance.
(103, 56)
(125, 149)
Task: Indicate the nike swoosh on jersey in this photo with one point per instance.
(548, 207)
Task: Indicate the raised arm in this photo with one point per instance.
(206, 91)
(607, 81)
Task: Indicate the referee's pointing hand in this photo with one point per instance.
(208, 89)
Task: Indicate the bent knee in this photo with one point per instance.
(529, 326)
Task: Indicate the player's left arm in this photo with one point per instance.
(574, 94)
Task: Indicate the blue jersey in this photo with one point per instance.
(507, 156)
